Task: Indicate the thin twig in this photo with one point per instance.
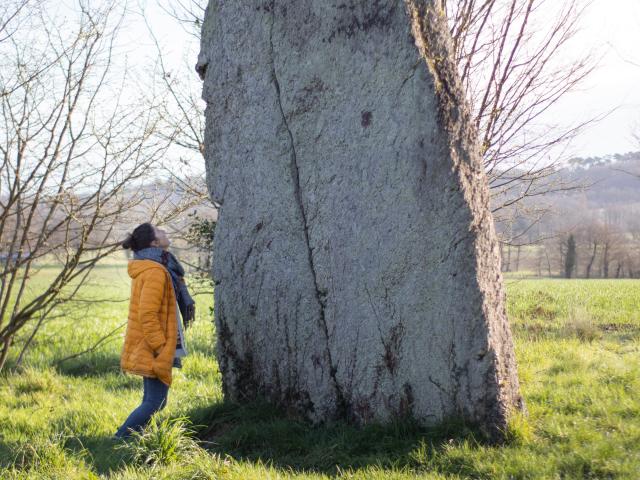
(92, 348)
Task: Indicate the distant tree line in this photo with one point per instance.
(587, 243)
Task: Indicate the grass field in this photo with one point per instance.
(578, 348)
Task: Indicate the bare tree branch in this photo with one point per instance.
(76, 160)
(94, 347)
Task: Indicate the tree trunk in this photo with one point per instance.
(605, 261)
(546, 253)
(591, 260)
(4, 353)
(357, 268)
(619, 270)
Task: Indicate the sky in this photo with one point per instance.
(611, 28)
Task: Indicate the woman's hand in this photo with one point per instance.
(156, 352)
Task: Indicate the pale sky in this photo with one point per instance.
(613, 28)
(610, 27)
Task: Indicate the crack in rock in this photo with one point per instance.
(343, 407)
(363, 145)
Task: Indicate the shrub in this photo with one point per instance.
(162, 442)
(580, 324)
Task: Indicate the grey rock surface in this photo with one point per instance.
(356, 266)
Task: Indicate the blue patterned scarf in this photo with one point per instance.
(176, 271)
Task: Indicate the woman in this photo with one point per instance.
(154, 341)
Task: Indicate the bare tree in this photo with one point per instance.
(182, 111)
(11, 14)
(188, 13)
(507, 53)
(75, 152)
(606, 238)
(593, 245)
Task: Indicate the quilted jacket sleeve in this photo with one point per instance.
(150, 304)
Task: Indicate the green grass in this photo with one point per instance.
(578, 349)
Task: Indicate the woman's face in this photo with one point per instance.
(161, 241)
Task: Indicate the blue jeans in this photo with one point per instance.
(154, 399)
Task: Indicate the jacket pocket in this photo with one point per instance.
(142, 356)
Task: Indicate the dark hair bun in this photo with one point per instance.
(141, 237)
(129, 243)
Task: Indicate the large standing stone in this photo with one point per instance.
(356, 265)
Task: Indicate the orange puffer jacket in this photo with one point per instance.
(150, 341)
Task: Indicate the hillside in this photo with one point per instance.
(601, 211)
(607, 180)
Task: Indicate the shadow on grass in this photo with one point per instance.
(99, 452)
(7, 453)
(542, 330)
(105, 456)
(94, 365)
(259, 431)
